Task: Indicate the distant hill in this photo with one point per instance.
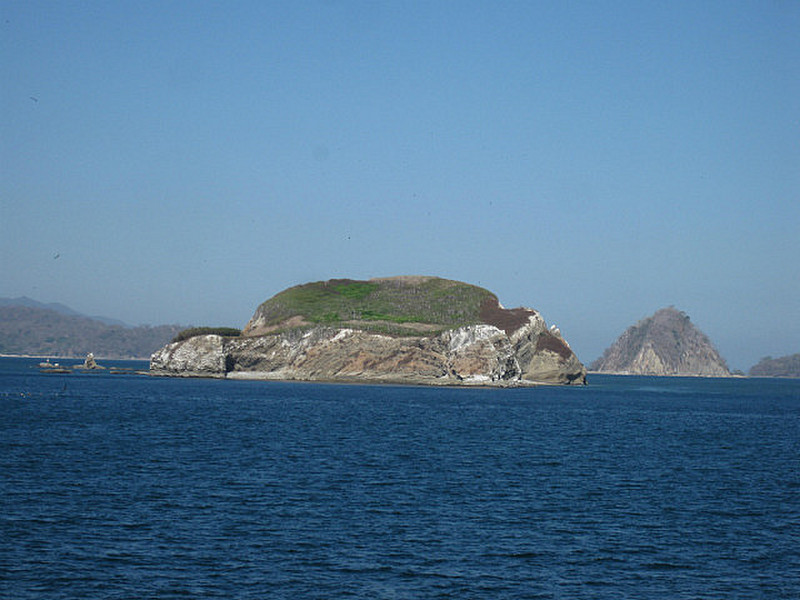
(58, 307)
(31, 329)
(666, 343)
(785, 366)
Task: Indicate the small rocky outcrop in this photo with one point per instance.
(507, 348)
(89, 364)
(198, 356)
(666, 343)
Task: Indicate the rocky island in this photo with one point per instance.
(409, 330)
(665, 343)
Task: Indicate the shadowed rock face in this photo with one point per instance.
(665, 343)
(512, 347)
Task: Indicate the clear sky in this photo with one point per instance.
(181, 162)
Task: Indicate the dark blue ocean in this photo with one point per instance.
(125, 486)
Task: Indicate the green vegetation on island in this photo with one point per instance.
(195, 331)
(397, 305)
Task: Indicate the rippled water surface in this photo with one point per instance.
(126, 486)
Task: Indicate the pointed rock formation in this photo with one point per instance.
(666, 343)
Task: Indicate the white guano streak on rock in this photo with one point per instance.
(535, 325)
(471, 334)
(342, 333)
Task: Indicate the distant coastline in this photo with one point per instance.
(68, 357)
(673, 376)
(38, 331)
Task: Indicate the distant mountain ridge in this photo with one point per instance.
(59, 308)
(28, 327)
(666, 343)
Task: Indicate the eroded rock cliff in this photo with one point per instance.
(504, 348)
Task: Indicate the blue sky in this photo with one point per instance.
(181, 162)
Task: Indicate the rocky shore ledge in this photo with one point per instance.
(508, 348)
